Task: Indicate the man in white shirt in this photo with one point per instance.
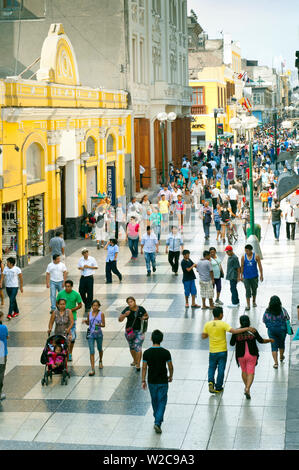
(141, 171)
(55, 278)
(215, 196)
(233, 196)
(196, 191)
(213, 164)
(290, 220)
(150, 246)
(204, 170)
(87, 265)
(13, 275)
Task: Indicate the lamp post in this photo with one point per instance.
(275, 138)
(163, 118)
(216, 112)
(248, 123)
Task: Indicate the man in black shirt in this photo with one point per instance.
(155, 360)
(189, 279)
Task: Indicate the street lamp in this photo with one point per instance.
(216, 112)
(163, 118)
(274, 110)
(60, 162)
(83, 159)
(249, 123)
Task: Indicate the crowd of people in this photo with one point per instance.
(214, 187)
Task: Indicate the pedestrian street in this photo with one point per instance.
(110, 410)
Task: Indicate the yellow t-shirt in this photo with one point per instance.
(163, 207)
(216, 329)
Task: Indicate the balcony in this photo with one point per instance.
(198, 109)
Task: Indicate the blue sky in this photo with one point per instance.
(265, 28)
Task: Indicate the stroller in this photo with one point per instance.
(52, 342)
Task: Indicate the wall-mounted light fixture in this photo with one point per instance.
(17, 149)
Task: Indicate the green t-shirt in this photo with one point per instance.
(72, 298)
(155, 218)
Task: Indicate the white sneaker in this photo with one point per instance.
(3, 396)
(233, 305)
(218, 302)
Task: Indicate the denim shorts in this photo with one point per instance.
(74, 332)
(190, 288)
(99, 340)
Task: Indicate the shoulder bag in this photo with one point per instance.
(130, 331)
(288, 323)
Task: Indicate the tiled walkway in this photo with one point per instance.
(111, 410)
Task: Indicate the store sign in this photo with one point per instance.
(111, 184)
(198, 126)
(220, 129)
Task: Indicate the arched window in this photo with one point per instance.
(110, 143)
(34, 163)
(90, 146)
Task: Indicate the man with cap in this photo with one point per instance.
(233, 275)
(87, 264)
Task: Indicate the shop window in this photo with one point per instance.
(90, 146)
(34, 163)
(11, 4)
(35, 216)
(110, 144)
(9, 230)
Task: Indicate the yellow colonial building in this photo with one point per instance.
(60, 144)
(213, 71)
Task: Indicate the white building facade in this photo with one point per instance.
(158, 75)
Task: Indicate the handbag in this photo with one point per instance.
(289, 328)
(130, 331)
(288, 323)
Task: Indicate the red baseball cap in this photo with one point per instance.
(228, 248)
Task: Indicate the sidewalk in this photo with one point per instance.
(292, 418)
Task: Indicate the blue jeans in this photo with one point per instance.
(54, 287)
(133, 245)
(206, 228)
(157, 231)
(276, 229)
(217, 360)
(159, 400)
(12, 294)
(150, 258)
(234, 292)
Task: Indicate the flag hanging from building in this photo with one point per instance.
(243, 76)
(245, 102)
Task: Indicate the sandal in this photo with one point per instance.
(133, 364)
(92, 373)
(282, 358)
(195, 306)
(275, 366)
(100, 365)
(187, 306)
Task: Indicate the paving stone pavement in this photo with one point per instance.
(110, 410)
